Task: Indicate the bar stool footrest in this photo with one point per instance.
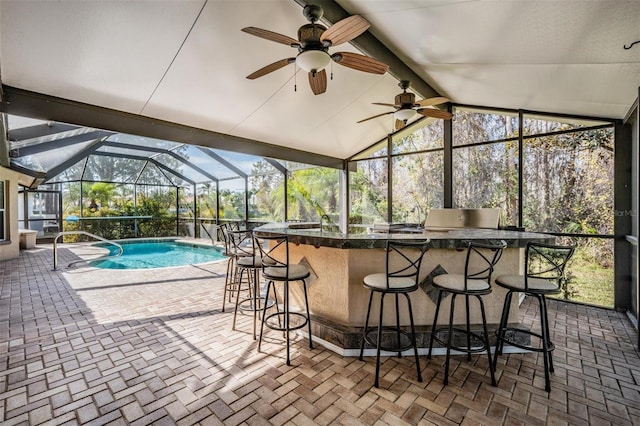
(477, 341)
(388, 334)
(511, 338)
(260, 304)
(281, 316)
(236, 286)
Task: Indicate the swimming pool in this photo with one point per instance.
(149, 254)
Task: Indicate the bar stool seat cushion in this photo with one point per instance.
(379, 281)
(455, 282)
(250, 262)
(536, 285)
(296, 272)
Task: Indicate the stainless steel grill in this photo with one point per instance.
(445, 219)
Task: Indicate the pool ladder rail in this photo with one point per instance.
(88, 234)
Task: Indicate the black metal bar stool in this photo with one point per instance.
(249, 264)
(235, 242)
(400, 277)
(229, 283)
(480, 260)
(277, 267)
(544, 273)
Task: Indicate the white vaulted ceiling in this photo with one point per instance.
(186, 62)
(564, 56)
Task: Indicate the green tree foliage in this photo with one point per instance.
(266, 193)
(207, 200)
(112, 169)
(99, 195)
(154, 210)
(313, 192)
(232, 204)
(569, 182)
(368, 189)
(418, 177)
(485, 175)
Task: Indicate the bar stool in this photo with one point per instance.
(229, 282)
(282, 271)
(401, 274)
(544, 273)
(237, 245)
(250, 264)
(480, 260)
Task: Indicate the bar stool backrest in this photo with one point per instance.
(224, 230)
(481, 260)
(547, 262)
(237, 225)
(242, 242)
(268, 247)
(408, 259)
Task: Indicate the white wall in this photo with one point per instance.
(10, 248)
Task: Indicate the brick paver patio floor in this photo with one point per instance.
(84, 346)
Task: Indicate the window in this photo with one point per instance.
(485, 161)
(417, 186)
(568, 190)
(486, 176)
(368, 191)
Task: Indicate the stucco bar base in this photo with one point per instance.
(338, 301)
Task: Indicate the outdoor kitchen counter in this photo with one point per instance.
(443, 238)
(339, 262)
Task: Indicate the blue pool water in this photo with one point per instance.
(158, 254)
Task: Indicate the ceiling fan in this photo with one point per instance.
(314, 41)
(406, 107)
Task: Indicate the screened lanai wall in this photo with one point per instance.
(122, 186)
(546, 173)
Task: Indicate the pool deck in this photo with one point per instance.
(140, 347)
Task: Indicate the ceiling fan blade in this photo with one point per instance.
(270, 68)
(345, 30)
(435, 113)
(400, 124)
(433, 101)
(318, 82)
(383, 104)
(376, 116)
(360, 62)
(270, 35)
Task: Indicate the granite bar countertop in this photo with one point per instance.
(441, 238)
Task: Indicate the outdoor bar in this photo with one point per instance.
(340, 261)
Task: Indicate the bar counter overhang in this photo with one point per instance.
(339, 262)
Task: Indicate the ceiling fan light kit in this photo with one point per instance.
(313, 60)
(314, 41)
(404, 114)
